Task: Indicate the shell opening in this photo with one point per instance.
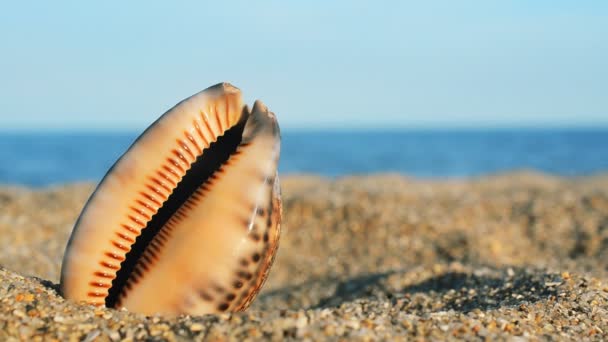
(200, 173)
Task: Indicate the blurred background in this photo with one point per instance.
(434, 89)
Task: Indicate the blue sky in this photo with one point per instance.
(317, 64)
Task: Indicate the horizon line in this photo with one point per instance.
(346, 129)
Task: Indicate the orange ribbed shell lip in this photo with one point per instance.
(188, 218)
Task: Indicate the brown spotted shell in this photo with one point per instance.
(188, 219)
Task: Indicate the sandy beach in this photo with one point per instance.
(521, 254)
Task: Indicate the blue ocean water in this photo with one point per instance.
(40, 159)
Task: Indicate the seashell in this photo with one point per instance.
(188, 219)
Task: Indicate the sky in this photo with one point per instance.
(118, 65)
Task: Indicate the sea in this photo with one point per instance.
(44, 159)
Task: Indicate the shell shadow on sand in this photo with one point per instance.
(459, 290)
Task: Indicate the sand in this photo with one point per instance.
(513, 256)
